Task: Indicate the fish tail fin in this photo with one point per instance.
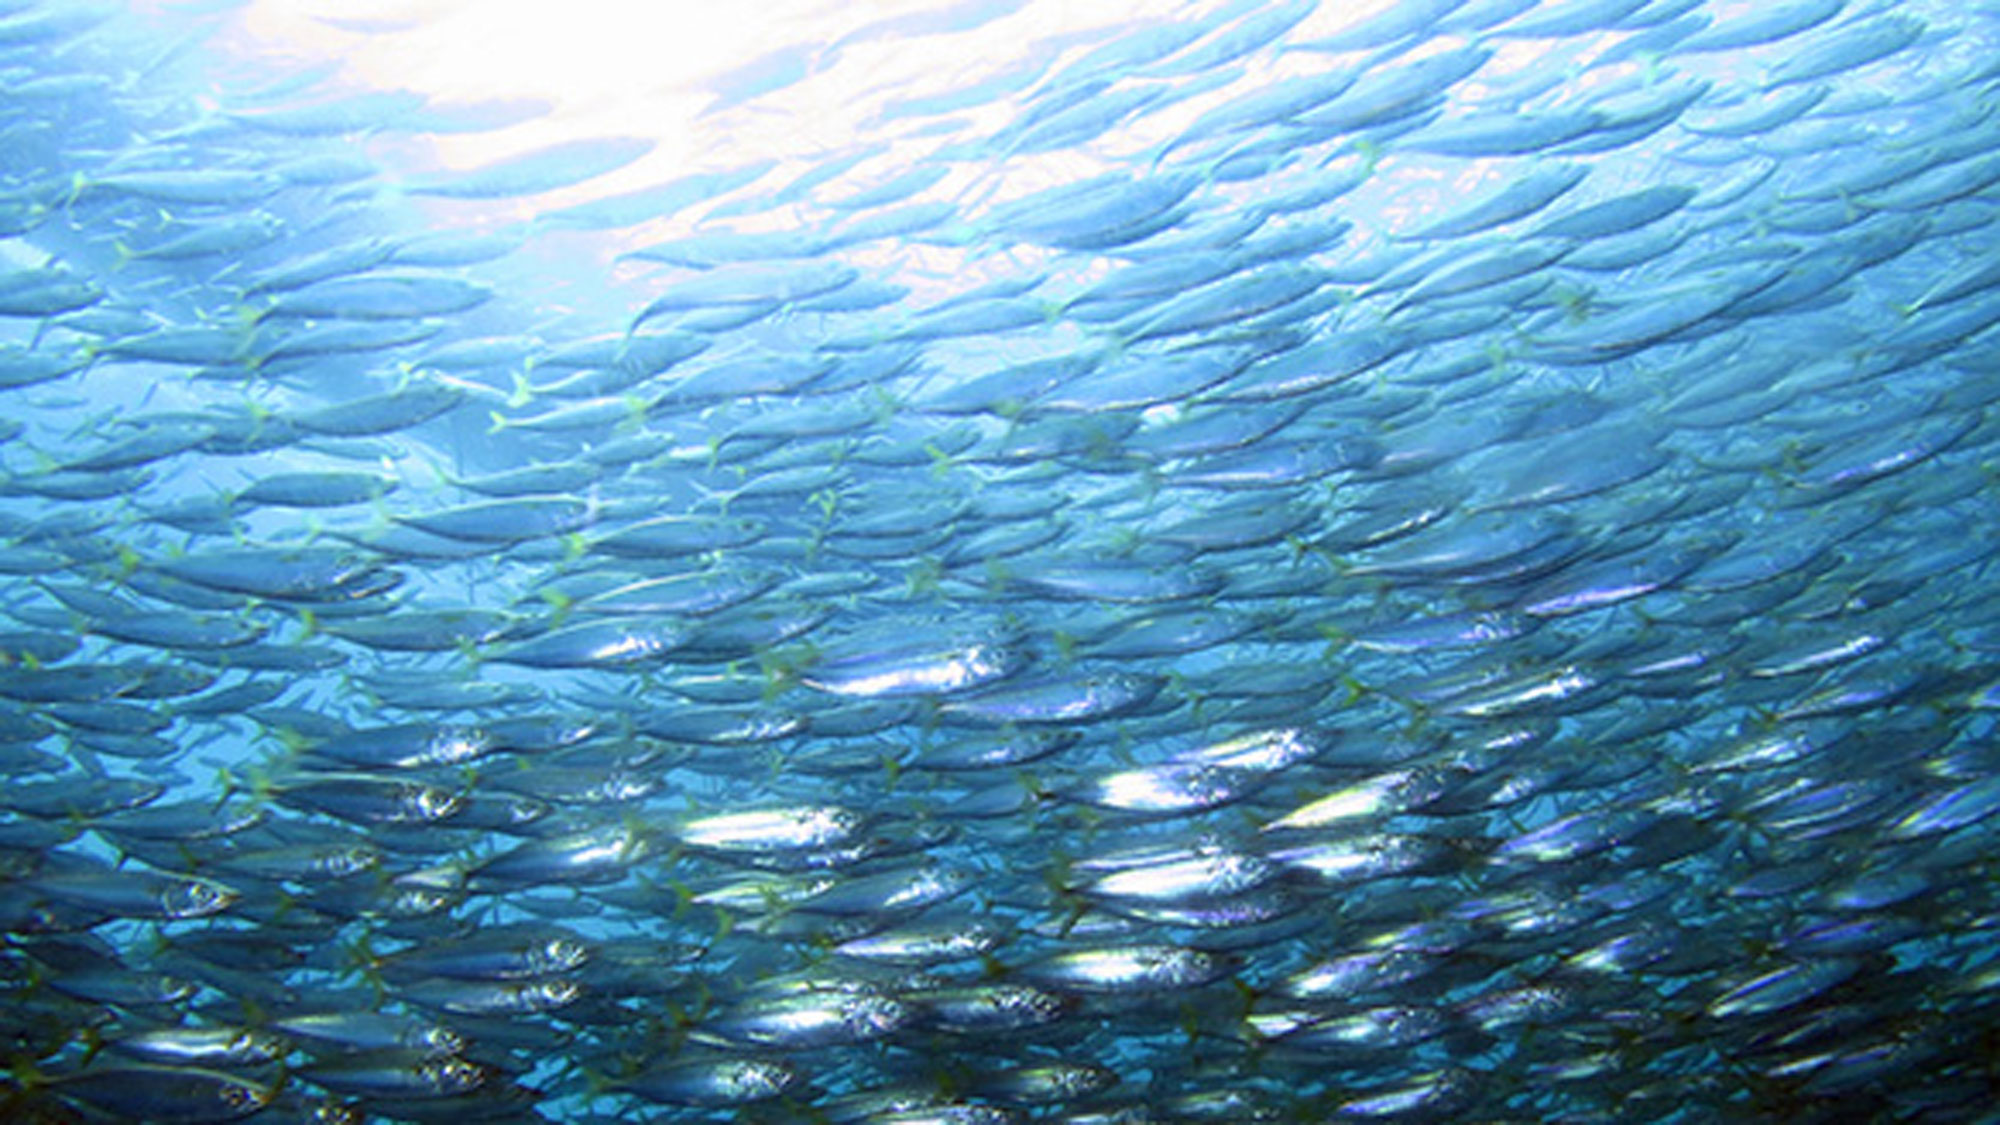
(888, 404)
(254, 1014)
(827, 500)
(247, 320)
(1249, 994)
(254, 778)
(129, 561)
(942, 463)
(1334, 635)
(1075, 907)
(1064, 643)
(702, 1003)
(721, 497)
(1180, 685)
(23, 1093)
(94, 1042)
(87, 760)
(559, 603)
(1191, 1023)
(781, 671)
(359, 955)
(596, 1084)
(1060, 875)
(1356, 690)
(1370, 153)
(998, 575)
(523, 392)
(291, 742)
(500, 422)
(683, 898)
(368, 966)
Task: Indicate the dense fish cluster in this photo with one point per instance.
(1257, 565)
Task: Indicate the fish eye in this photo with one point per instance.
(437, 804)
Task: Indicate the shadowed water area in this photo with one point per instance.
(1256, 563)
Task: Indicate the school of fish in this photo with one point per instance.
(1247, 566)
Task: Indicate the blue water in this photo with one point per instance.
(1565, 425)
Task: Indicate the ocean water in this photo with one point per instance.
(1001, 561)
